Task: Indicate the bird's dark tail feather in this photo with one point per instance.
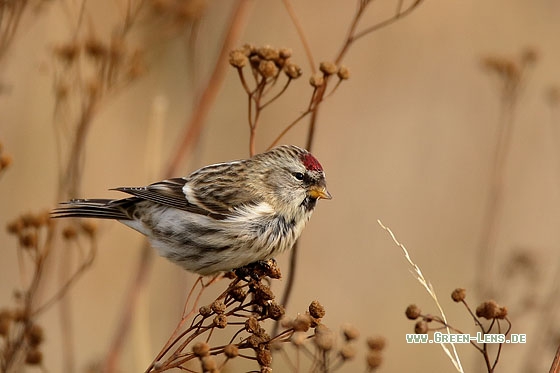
(94, 208)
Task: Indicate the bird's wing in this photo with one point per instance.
(170, 193)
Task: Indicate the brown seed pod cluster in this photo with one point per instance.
(17, 328)
(488, 310)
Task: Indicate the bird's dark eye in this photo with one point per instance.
(298, 175)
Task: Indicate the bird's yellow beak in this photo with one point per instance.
(320, 192)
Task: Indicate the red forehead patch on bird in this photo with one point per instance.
(311, 163)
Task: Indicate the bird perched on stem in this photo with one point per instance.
(223, 216)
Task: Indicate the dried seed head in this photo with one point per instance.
(459, 294)
(268, 53)
(35, 335)
(328, 68)
(263, 293)
(67, 53)
(205, 311)
(302, 323)
(95, 48)
(252, 325)
(237, 59)
(275, 311)
(412, 312)
(201, 349)
(374, 359)
(347, 352)
(292, 70)
(317, 80)
(28, 240)
(421, 327)
(266, 370)
(488, 310)
(69, 233)
(350, 332)
(5, 161)
(324, 338)
(268, 69)
(502, 313)
(208, 364)
(316, 310)
(231, 351)
(220, 321)
(298, 338)
(376, 343)
(264, 357)
(285, 52)
(238, 294)
(248, 49)
(34, 357)
(218, 306)
(15, 226)
(343, 73)
(6, 319)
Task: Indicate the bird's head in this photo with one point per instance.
(294, 178)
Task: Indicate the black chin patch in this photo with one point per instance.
(309, 203)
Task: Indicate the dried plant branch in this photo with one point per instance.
(194, 125)
(299, 28)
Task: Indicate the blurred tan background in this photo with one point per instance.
(408, 139)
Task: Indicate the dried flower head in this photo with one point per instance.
(220, 321)
(268, 69)
(376, 343)
(218, 306)
(201, 349)
(324, 338)
(488, 310)
(34, 357)
(292, 70)
(459, 294)
(328, 68)
(301, 323)
(28, 240)
(252, 325)
(205, 311)
(208, 364)
(316, 310)
(268, 53)
(374, 359)
(421, 327)
(95, 48)
(347, 352)
(35, 335)
(231, 351)
(413, 312)
(350, 332)
(68, 52)
(343, 73)
(238, 59)
(264, 357)
(69, 232)
(275, 311)
(317, 80)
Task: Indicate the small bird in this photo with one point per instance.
(223, 216)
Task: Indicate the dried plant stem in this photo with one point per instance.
(195, 123)
(453, 356)
(299, 28)
(492, 215)
(555, 367)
